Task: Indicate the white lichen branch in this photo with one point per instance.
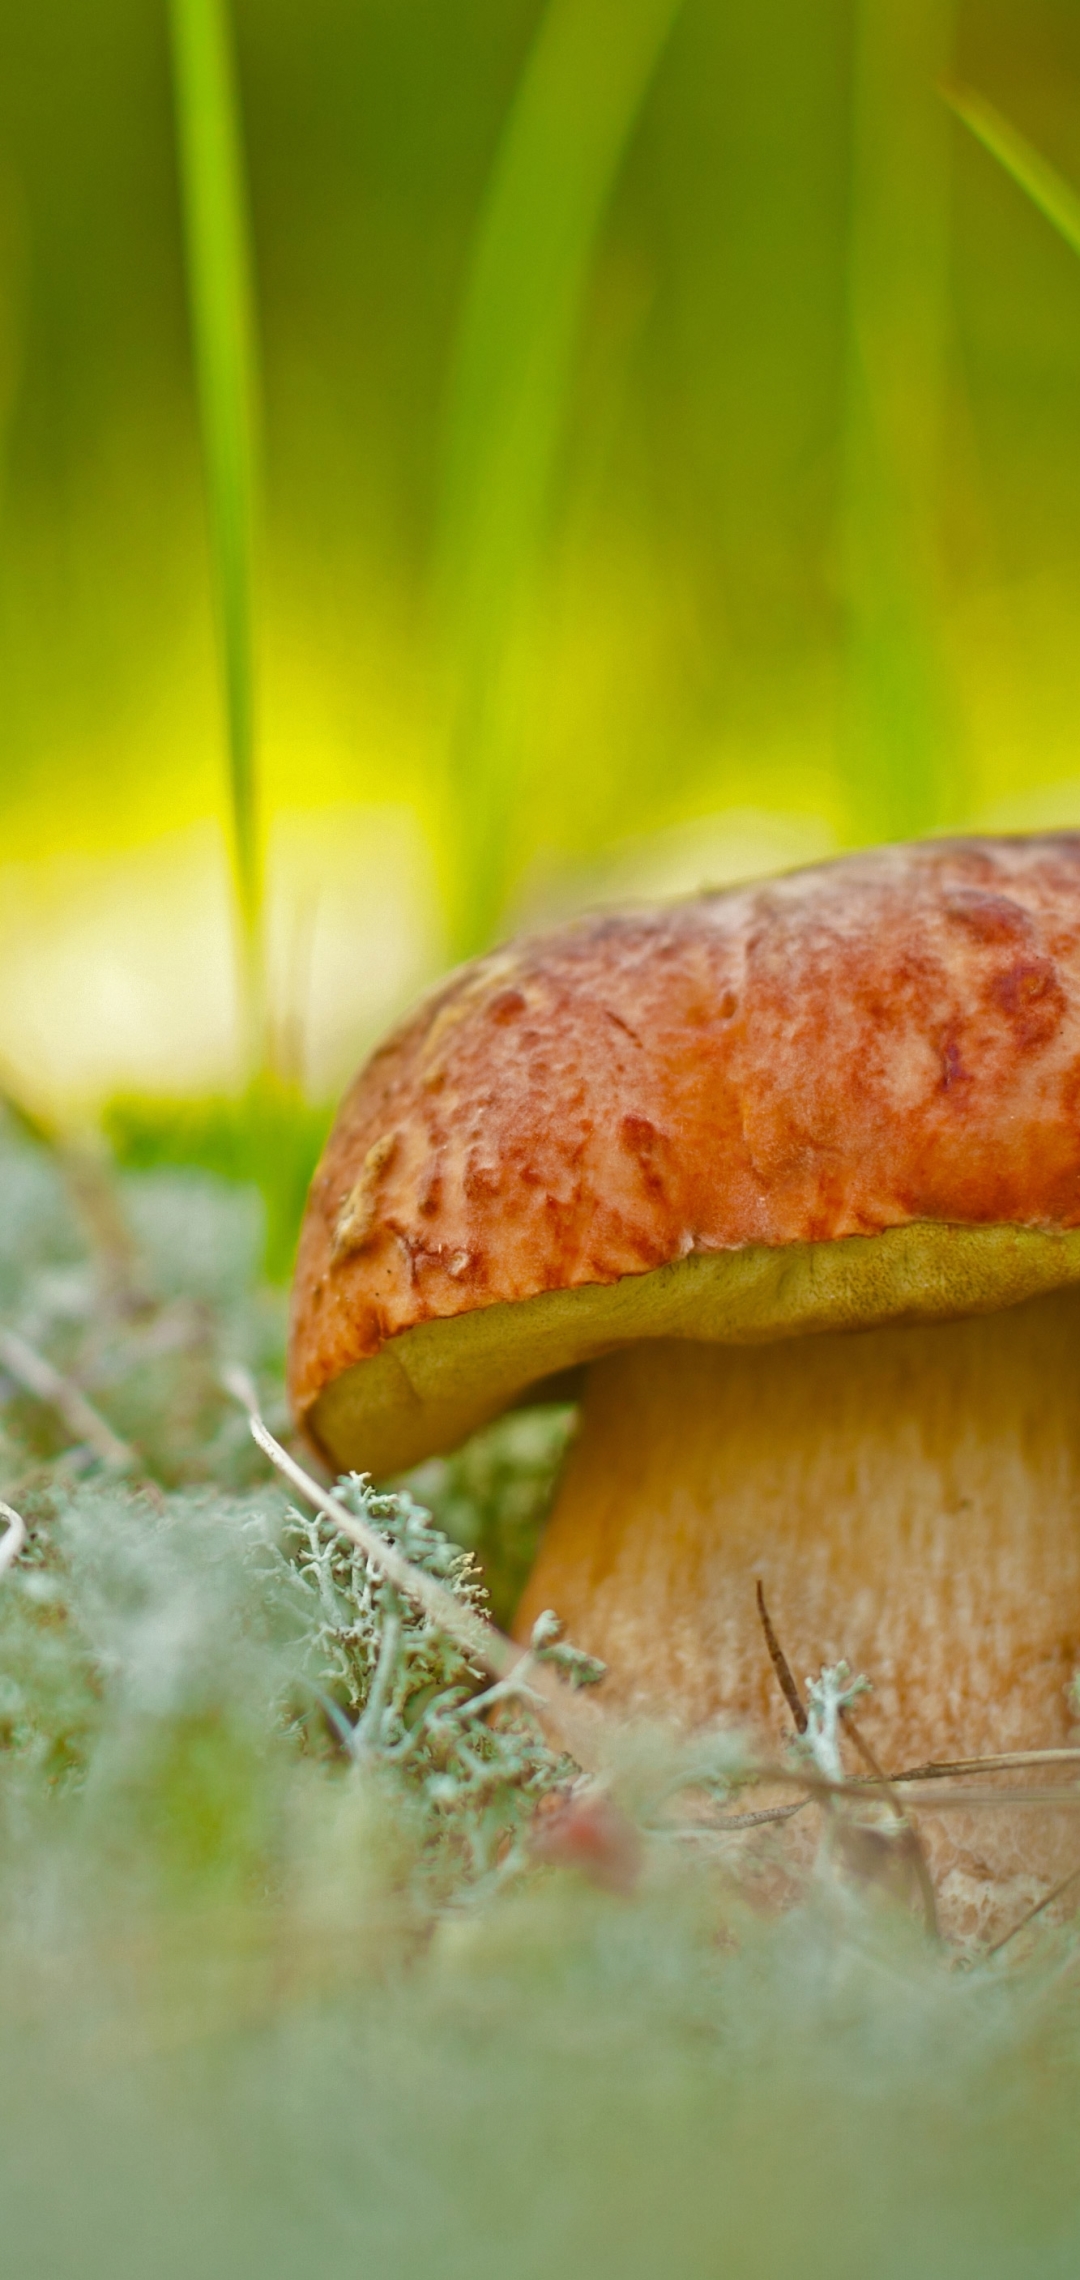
(827, 1698)
(578, 1725)
(14, 1537)
(367, 1733)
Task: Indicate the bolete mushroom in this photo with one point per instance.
(789, 1178)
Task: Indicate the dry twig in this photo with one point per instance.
(938, 1800)
(934, 1799)
(1047, 1901)
(31, 1370)
(579, 1725)
(781, 1666)
(766, 1813)
(912, 1842)
(1008, 1761)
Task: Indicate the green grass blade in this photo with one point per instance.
(220, 295)
(898, 740)
(1047, 189)
(581, 92)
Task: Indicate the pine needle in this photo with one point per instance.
(781, 1666)
(1007, 1761)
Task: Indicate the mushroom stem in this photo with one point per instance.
(909, 1499)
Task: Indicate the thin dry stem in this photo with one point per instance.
(579, 1726)
(1057, 1892)
(936, 1800)
(1008, 1761)
(31, 1370)
(912, 1841)
(781, 1666)
(766, 1813)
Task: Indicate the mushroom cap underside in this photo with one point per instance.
(843, 1097)
(431, 1387)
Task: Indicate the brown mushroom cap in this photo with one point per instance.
(846, 1097)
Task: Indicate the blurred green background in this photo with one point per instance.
(670, 470)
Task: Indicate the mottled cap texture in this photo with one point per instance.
(887, 1040)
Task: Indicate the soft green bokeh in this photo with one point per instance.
(672, 467)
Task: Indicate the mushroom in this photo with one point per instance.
(785, 1182)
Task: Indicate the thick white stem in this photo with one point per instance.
(910, 1500)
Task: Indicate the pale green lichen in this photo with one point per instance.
(402, 1698)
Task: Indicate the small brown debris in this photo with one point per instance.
(586, 1831)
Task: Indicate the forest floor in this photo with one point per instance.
(306, 1965)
